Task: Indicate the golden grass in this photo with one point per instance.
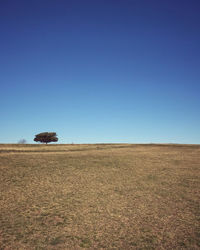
(112, 196)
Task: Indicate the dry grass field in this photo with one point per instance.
(104, 196)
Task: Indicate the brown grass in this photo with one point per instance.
(112, 196)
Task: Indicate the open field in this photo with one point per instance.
(112, 196)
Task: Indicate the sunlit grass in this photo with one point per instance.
(113, 196)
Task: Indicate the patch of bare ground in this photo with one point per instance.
(112, 196)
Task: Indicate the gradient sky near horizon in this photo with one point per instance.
(98, 71)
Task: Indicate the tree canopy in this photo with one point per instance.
(46, 137)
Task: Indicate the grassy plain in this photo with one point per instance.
(104, 196)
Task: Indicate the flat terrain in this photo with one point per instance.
(112, 196)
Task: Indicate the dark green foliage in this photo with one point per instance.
(46, 137)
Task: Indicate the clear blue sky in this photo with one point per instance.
(100, 70)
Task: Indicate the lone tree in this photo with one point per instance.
(46, 137)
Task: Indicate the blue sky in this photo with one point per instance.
(100, 71)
